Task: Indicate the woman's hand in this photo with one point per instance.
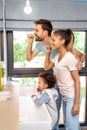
(75, 109)
(48, 48)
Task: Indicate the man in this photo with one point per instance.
(43, 29)
(42, 32)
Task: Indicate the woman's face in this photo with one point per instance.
(56, 41)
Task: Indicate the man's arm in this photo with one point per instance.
(30, 53)
(79, 55)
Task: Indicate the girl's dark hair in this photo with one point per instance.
(46, 25)
(48, 78)
(65, 34)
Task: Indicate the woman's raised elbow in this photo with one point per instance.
(45, 68)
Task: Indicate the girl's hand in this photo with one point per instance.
(33, 96)
(75, 109)
(38, 90)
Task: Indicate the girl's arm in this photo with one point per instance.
(47, 63)
(43, 99)
(75, 75)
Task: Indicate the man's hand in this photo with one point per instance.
(79, 65)
(30, 38)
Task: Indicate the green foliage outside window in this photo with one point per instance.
(19, 51)
(79, 41)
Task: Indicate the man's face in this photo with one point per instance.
(39, 32)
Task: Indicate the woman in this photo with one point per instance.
(67, 76)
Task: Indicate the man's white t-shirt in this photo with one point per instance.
(63, 75)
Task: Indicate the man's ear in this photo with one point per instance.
(45, 33)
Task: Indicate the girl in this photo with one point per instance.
(48, 94)
(67, 76)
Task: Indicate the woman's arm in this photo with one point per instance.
(75, 75)
(47, 63)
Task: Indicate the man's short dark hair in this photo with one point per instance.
(46, 25)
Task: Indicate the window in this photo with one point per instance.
(17, 63)
(18, 66)
(17, 46)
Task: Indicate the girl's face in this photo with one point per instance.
(41, 84)
(56, 41)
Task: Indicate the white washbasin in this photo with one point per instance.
(32, 117)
